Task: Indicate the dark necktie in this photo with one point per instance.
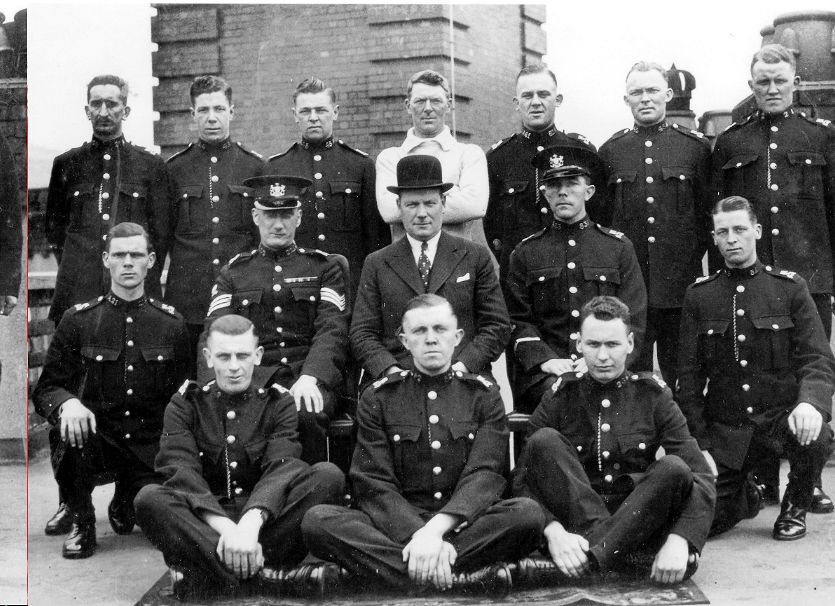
(424, 266)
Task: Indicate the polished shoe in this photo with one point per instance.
(81, 542)
(639, 563)
(791, 523)
(60, 523)
(770, 495)
(495, 580)
(315, 581)
(537, 571)
(821, 503)
(121, 515)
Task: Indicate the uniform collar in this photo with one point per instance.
(433, 380)
(614, 384)
(577, 225)
(314, 145)
(535, 136)
(120, 303)
(769, 118)
(646, 131)
(231, 399)
(214, 147)
(743, 273)
(111, 144)
(277, 254)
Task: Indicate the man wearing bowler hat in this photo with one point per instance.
(427, 260)
(295, 297)
(556, 270)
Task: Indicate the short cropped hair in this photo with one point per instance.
(231, 324)
(536, 68)
(647, 66)
(429, 77)
(312, 86)
(126, 229)
(732, 203)
(606, 307)
(422, 301)
(209, 84)
(774, 53)
(106, 79)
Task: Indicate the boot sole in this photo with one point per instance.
(80, 555)
(785, 538)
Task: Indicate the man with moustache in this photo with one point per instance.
(110, 369)
(756, 374)
(783, 162)
(92, 188)
(658, 191)
(464, 164)
(556, 270)
(517, 207)
(339, 212)
(211, 217)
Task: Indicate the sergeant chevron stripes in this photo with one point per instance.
(219, 302)
(331, 296)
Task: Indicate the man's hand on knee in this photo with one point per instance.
(568, 550)
(305, 390)
(77, 422)
(805, 422)
(670, 562)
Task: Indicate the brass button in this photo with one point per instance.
(105, 217)
(651, 199)
(743, 363)
(741, 338)
(215, 178)
(231, 415)
(317, 157)
(276, 287)
(99, 358)
(608, 477)
(215, 220)
(605, 427)
(438, 496)
(213, 159)
(605, 454)
(215, 198)
(436, 471)
(775, 232)
(650, 179)
(396, 437)
(572, 243)
(774, 210)
(105, 196)
(277, 309)
(605, 403)
(230, 439)
(215, 240)
(571, 265)
(572, 290)
(651, 239)
(432, 395)
(107, 156)
(740, 288)
(317, 176)
(434, 419)
(642, 446)
(436, 445)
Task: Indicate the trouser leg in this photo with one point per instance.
(194, 332)
(550, 472)
(75, 475)
(506, 531)
(644, 360)
(655, 501)
(281, 538)
(187, 543)
(313, 429)
(805, 465)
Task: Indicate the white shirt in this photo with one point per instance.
(431, 247)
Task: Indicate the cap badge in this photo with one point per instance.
(277, 190)
(557, 161)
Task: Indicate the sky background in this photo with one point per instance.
(591, 46)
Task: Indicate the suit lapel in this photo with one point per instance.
(403, 264)
(447, 258)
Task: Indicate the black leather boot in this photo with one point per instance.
(537, 572)
(791, 523)
(821, 503)
(121, 514)
(60, 523)
(315, 581)
(81, 542)
(495, 580)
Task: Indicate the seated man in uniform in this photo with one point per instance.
(235, 490)
(296, 299)
(427, 471)
(590, 461)
(751, 334)
(111, 368)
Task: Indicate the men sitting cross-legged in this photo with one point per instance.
(427, 473)
(235, 489)
(590, 461)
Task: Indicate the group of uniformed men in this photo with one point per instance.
(230, 479)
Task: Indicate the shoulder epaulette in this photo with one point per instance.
(313, 251)
(475, 378)
(651, 378)
(390, 379)
(139, 148)
(279, 389)
(251, 152)
(816, 121)
(619, 134)
(783, 273)
(208, 386)
(582, 138)
(707, 278)
(188, 385)
(566, 378)
(242, 255)
(353, 149)
(169, 309)
(279, 154)
(694, 134)
(534, 235)
(610, 232)
(88, 304)
(500, 143)
(181, 152)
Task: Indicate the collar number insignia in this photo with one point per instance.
(277, 190)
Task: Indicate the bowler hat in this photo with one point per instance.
(278, 192)
(419, 172)
(570, 159)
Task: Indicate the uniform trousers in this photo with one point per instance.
(507, 530)
(734, 501)
(189, 544)
(636, 516)
(80, 470)
(663, 330)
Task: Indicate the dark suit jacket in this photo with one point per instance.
(462, 273)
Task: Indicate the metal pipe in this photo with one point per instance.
(452, 71)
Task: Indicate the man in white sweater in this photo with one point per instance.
(464, 164)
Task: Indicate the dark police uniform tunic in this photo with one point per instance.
(754, 338)
(553, 273)
(785, 166)
(296, 300)
(211, 220)
(426, 445)
(10, 232)
(658, 190)
(91, 189)
(339, 212)
(123, 360)
(593, 445)
(225, 454)
(517, 208)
